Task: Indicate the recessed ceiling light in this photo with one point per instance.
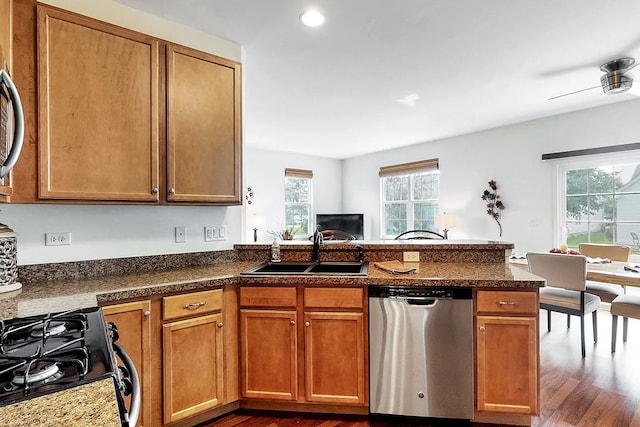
(311, 18)
(409, 100)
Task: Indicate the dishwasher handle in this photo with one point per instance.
(420, 301)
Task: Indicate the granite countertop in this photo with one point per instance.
(43, 297)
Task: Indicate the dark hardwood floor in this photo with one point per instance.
(601, 390)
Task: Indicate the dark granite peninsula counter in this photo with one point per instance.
(66, 286)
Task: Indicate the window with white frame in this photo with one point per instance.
(409, 197)
(298, 200)
(599, 200)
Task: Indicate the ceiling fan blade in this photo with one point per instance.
(631, 67)
(571, 93)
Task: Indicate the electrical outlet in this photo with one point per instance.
(411, 256)
(181, 234)
(57, 239)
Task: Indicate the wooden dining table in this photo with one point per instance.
(611, 272)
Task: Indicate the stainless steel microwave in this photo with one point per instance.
(11, 124)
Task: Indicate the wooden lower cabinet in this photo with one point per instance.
(185, 348)
(334, 357)
(319, 361)
(268, 354)
(133, 320)
(192, 366)
(507, 353)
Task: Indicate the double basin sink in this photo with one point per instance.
(338, 268)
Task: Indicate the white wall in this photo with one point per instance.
(512, 157)
(113, 231)
(264, 172)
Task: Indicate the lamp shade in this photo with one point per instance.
(445, 221)
(257, 221)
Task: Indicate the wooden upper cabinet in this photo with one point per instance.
(98, 110)
(5, 34)
(204, 142)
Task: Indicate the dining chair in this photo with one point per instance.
(419, 234)
(566, 288)
(626, 306)
(606, 292)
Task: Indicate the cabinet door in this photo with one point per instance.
(507, 370)
(268, 354)
(203, 127)
(134, 327)
(334, 357)
(193, 366)
(98, 110)
(5, 34)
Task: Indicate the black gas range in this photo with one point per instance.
(54, 364)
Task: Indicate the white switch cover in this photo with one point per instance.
(181, 234)
(215, 233)
(209, 233)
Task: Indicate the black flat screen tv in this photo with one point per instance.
(350, 223)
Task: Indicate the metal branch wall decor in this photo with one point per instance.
(494, 204)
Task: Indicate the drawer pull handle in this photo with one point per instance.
(194, 305)
(508, 303)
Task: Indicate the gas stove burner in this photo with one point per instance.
(48, 329)
(41, 373)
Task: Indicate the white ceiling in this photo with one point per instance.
(332, 91)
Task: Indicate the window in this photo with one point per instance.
(599, 201)
(297, 201)
(410, 195)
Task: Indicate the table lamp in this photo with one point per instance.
(255, 222)
(444, 221)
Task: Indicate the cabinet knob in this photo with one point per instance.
(293, 323)
(307, 323)
(147, 313)
(155, 190)
(220, 325)
(481, 328)
(172, 190)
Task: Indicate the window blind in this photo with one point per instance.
(409, 168)
(298, 173)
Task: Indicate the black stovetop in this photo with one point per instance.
(56, 351)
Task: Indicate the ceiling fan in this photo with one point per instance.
(615, 78)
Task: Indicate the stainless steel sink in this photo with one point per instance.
(337, 268)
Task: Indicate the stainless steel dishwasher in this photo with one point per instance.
(421, 351)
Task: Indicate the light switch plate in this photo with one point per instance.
(181, 234)
(411, 256)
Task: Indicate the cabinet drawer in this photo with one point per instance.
(333, 298)
(268, 296)
(507, 302)
(192, 303)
